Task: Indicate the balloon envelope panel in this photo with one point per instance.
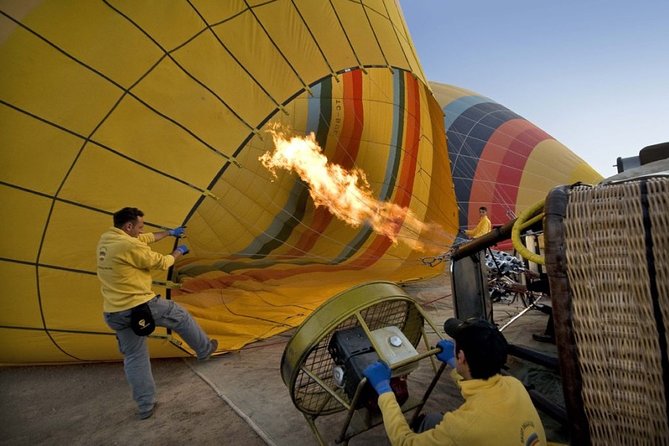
(113, 104)
(499, 159)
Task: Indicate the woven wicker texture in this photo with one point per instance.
(613, 311)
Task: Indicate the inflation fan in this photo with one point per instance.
(323, 361)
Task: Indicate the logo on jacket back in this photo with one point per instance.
(102, 254)
(528, 434)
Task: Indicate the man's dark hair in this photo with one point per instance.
(126, 215)
(483, 208)
(484, 345)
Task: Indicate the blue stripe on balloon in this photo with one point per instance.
(314, 109)
(453, 110)
(467, 136)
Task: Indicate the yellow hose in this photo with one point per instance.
(526, 219)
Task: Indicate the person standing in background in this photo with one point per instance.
(483, 227)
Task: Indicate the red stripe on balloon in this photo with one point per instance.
(345, 154)
(500, 168)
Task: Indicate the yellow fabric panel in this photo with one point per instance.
(114, 46)
(442, 191)
(292, 37)
(170, 25)
(323, 24)
(359, 32)
(25, 216)
(550, 164)
(585, 173)
(95, 181)
(87, 347)
(97, 347)
(332, 241)
(260, 57)
(377, 133)
(83, 294)
(375, 151)
(211, 215)
(265, 308)
(18, 11)
(396, 16)
(28, 85)
(69, 233)
(295, 117)
(221, 71)
(21, 347)
(423, 179)
(168, 90)
(28, 346)
(136, 132)
(214, 12)
(34, 155)
(383, 28)
(445, 93)
(19, 306)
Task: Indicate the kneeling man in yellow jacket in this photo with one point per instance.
(497, 409)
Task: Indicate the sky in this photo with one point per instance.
(594, 74)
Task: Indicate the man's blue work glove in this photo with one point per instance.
(183, 249)
(378, 375)
(447, 353)
(177, 232)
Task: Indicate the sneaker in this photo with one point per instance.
(148, 413)
(213, 345)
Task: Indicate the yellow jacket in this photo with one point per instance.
(483, 227)
(497, 411)
(124, 269)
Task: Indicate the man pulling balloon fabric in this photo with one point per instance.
(497, 409)
(130, 307)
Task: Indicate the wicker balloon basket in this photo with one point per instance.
(607, 256)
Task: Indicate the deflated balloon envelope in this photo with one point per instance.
(113, 104)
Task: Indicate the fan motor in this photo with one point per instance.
(352, 352)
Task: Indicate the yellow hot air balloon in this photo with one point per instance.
(165, 107)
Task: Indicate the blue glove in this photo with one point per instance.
(183, 249)
(447, 353)
(177, 232)
(378, 375)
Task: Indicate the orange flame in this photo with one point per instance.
(346, 193)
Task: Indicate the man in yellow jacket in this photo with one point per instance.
(130, 306)
(483, 227)
(497, 409)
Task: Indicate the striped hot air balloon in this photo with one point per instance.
(499, 159)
